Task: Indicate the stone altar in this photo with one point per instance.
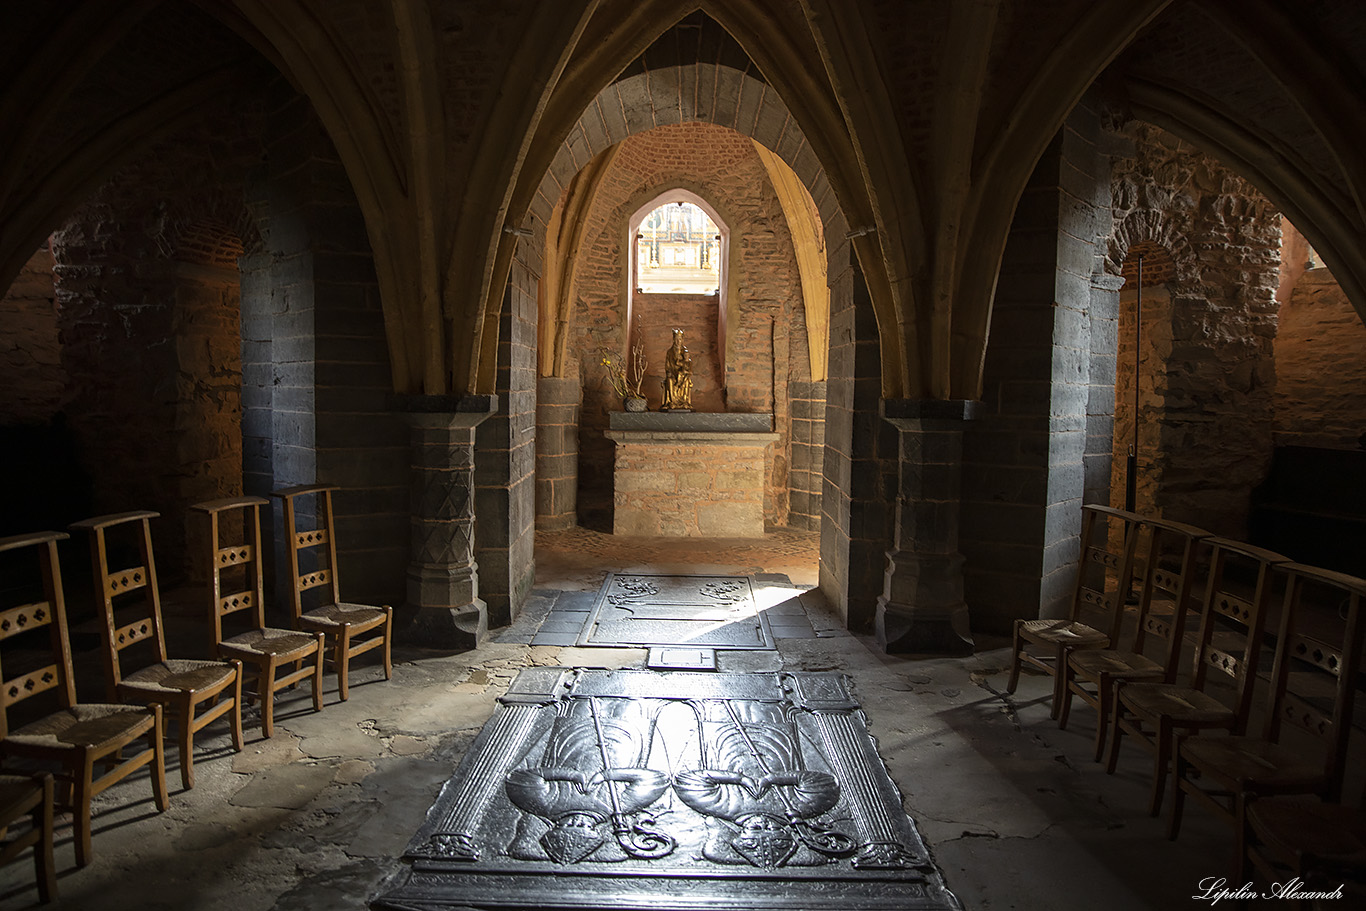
(686, 475)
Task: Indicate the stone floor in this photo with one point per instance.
(1015, 811)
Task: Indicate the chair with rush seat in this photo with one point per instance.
(1228, 646)
(1313, 688)
(271, 651)
(180, 685)
(78, 736)
(30, 796)
(1108, 538)
(343, 623)
(1166, 595)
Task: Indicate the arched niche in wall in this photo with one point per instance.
(705, 330)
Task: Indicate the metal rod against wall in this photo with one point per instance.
(1131, 467)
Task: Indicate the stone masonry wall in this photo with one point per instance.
(1320, 367)
(721, 166)
(1215, 413)
(505, 452)
(687, 489)
(1024, 472)
(654, 317)
(31, 347)
(149, 328)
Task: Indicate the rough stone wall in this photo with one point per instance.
(31, 348)
(505, 452)
(1212, 397)
(1320, 367)
(149, 328)
(808, 453)
(557, 452)
(721, 166)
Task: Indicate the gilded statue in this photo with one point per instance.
(677, 376)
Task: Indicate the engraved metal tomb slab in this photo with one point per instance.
(669, 791)
(642, 609)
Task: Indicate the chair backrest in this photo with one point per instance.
(312, 551)
(140, 616)
(1170, 565)
(50, 611)
(244, 555)
(1325, 713)
(1105, 577)
(1233, 618)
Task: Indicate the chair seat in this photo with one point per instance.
(1250, 764)
(331, 616)
(89, 725)
(285, 644)
(1063, 632)
(1182, 704)
(17, 793)
(1093, 663)
(1307, 828)
(178, 676)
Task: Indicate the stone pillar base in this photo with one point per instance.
(445, 609)
(925, 612)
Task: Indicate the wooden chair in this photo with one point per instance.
(1301, 837)
(1170, 565)
(1157, 713)
(177, 684)
(270, 650)
(31, 796)
(1235, 770)
(79, 735)
(1108, 538)
(341, 622)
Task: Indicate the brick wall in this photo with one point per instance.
(767, 327)
(1320, 367)
(31, 348)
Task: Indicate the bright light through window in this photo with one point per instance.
(678, 251)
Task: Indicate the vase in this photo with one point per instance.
(635, 403)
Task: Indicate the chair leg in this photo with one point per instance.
(159, 792)
(1017, 643)
(82, 789)
(1059, 660)
(318, 674)
(1116, 732)
(44, 866)
(1103, 698)
(266, 692)
(1178, 791)
(186, 732)
(1065, 707)
(236, 714)
(343, 660)
(388, 640)
(1161, 756)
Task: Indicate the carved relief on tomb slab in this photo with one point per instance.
(745, 788)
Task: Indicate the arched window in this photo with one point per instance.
(679, 245)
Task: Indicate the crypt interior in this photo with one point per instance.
(946, 272)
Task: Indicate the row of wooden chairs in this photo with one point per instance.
(81, 736)
(1145, 571)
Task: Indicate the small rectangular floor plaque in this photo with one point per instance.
(670, 658)
(670, 791)
(640, 609)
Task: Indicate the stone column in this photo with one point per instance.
(557, 452)
(443, 582)
(922, 608)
